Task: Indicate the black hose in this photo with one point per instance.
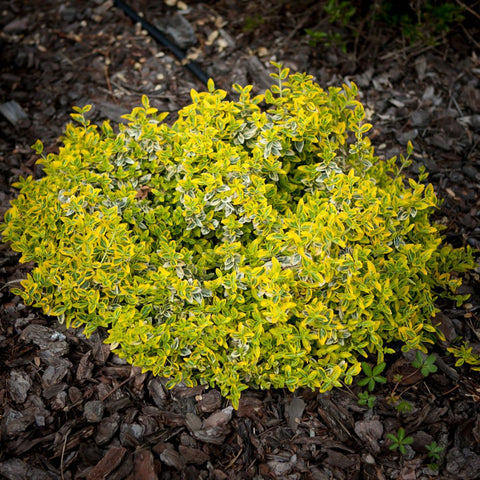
(160, 38)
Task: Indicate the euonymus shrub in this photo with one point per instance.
(241, 246)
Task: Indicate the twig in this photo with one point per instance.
(457, 106)
(306, 17)
(111, 392)
(468, 9)
(411, 50)
(6, 284)
(120, 385)
(107, 75)
(444, 394)
(63, 454)
(235, 458)
(467, 33)
(135, 91)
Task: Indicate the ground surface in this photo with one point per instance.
(69, 409)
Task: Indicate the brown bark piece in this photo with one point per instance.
(107, 464)
(144, 465)
(193, 455)
(209, 402)
(85, 367)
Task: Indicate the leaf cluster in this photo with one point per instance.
(426, 364)
(241, 246)
(399, 441)
(372, 376)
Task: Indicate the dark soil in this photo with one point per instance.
(69, 409)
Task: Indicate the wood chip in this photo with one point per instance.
(13, 112)
(107, 464)
(193, 455)
(144, 465)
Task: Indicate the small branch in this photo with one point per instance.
(468, 9)
(467, 33)
(63, 454)
(107, 75)
(410, 51)
(120, 385)
(11, 282)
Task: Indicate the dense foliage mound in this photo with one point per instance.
(241, 246)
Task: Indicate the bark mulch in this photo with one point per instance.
(69, 409)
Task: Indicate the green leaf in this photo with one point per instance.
(37, 147)
(284, 73)
(269, 97)
(145, 102)
(409, 148)
(57, 310)
(378, 369)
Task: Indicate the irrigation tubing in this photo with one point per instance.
(160, 38)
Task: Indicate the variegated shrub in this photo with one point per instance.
(241, 246)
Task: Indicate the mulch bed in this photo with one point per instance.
(70, 409)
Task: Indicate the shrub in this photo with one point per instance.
(241, 246)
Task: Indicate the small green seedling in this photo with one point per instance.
(399, 441)
(372, 375)
(400, 405)
(403, 406)
(365, 399)
(434, 450)
(426, 364)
